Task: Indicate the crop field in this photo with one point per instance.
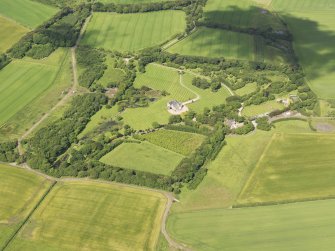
(293, 167)
(93, 216)
(179, 142)
(304, 226)
(312, 24)
(19, 193)
(10, 32)
(30, 87)
(26, 12)
(132, 32)
(143, 156)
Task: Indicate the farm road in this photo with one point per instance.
(69, 94)
(169, 196)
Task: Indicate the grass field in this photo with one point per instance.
(131, 32)
(293, 167)
(209, 42)
(19, 193)
(253, 110)
(312, 24)
(242, 13)
(132, 1)
(179, 142)
(111, 74)
(304, 226)
(249, 88)
(26, 12)
(28, 88)
(143, 156)
(10, 33)
(83, 215)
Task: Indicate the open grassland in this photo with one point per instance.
(28, 88)
(131, 32)
(179, 142)
(132, 1)
(249, 88)
(253, 110)
(242, 13)
(10, 33)
(19, 193)
(293, 167)
(232, 167)
(209, 42)
(304, 226)
(26, 12)
(143, 156)
(312, 24)
(93, 216)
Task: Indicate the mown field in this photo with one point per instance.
(26, 12)
(20, 191)
(242, 13)
(132, 1)
(209, 42)
(131, 32)
(10, 32)
(312, 24)
(179, 142)
(28, 88)
(304, 226)
(293, 167)
(253, 110)
(143, 156)
(93, 216)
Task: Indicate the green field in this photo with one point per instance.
(132, 32)
(179, 142)
(209, 42)
(253, 110)
(132, 1)
(111, 74)
(293, 167)
(19, 193)
(28, 88)
(312, 24)
(93, 216)
(10, 33)
(242, 13)
(143, 156)
(26, 12)
(304, 226)
(249, 88)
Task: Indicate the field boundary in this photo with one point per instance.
(7, 243)
(257, 168)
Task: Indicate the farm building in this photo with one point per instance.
(175, 106)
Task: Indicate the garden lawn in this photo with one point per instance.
(294, 167)
(180, 142)
(86, 215)
(20, 191)
(304, 226)
(143, 156)
(10, 33)
(27, 12)
(132, 32)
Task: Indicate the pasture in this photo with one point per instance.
(93, 216)
(180, 142)
(312, 24)
(19, 193)
(242, 13)
(304, 226)
(143, 156)
(132, 32)
(26, 12)
(293, 167)
(10, 32)
(28, 88)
